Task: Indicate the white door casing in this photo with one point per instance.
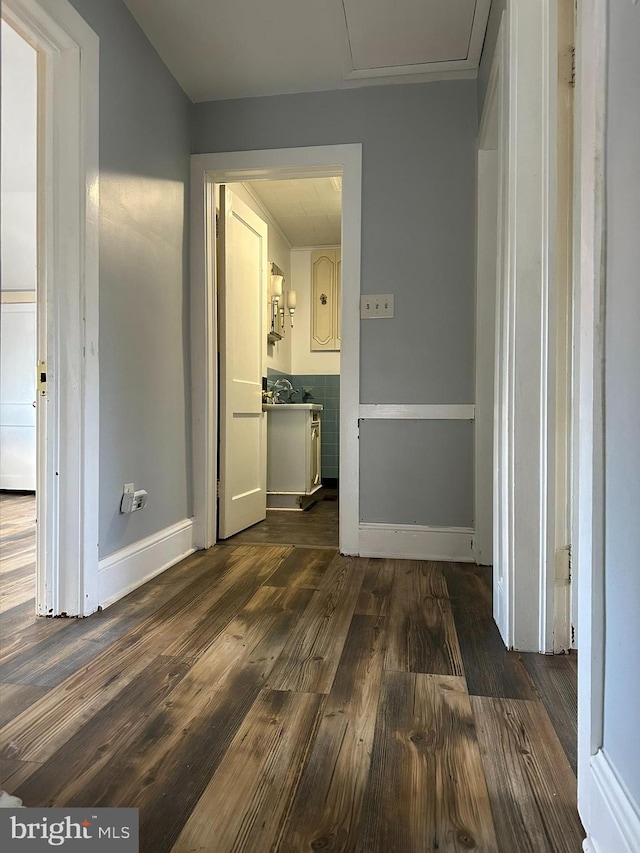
(488, 176)
(609, 816)
(207, 171)
(526, 343)
(503, 557)
(242, 296)
(563, 636)
(67, 303)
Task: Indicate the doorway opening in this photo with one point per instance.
(52, 230)
(23, 327)
(209, 172)
(301, 322)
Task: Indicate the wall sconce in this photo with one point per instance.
(291, 304)
(277, 302)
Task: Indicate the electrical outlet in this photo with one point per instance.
(132, 499)
(140, 497)
(376, 306)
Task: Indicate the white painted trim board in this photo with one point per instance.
(615, 818)
(588, 446)
(416, 542)
(130, 567)
(526, 350)
(393, 411)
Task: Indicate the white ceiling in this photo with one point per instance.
(308, 210)
(244, 48)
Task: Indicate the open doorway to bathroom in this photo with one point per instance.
(302, 370)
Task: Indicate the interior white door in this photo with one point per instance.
(17, 396)
(242, 295)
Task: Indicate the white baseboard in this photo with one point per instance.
(614, 819)
(413, 542)
(122, 572)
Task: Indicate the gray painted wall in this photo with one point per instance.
(395, 488)
(622, 400)
(418, 215)
(493, 25)
(144, 311)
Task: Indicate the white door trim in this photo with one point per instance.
(488, 181)
(68, 422)
(526, 352)
(238, 166)
(604, 807)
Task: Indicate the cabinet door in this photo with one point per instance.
(322, 300)
(326, 270)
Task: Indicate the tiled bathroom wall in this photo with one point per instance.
(324, 389)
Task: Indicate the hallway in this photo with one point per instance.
(289, 699)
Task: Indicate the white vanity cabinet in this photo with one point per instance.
(293, 454)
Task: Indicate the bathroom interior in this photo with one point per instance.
(301, 385)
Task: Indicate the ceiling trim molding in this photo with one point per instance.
(467, 73)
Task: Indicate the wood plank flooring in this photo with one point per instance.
(556, 681)
(17, 560)
(288, 699)
(316, 527)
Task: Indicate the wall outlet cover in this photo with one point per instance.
(376, 306)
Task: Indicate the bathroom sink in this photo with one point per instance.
(310, 407)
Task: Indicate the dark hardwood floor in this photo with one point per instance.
(315, 527)
(280, 698)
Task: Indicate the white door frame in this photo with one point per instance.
(207, 170)
(67, 421)
(524, 532)
(609, 818)
(488, 157)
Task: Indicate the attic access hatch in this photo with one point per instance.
(409, 37)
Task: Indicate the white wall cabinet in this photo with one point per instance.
(293, 454)
(326, 287)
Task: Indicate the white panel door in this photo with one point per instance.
(17, 395)
(242, 295)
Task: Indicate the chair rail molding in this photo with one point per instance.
(429, 412)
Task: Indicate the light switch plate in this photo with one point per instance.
(376, 306)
